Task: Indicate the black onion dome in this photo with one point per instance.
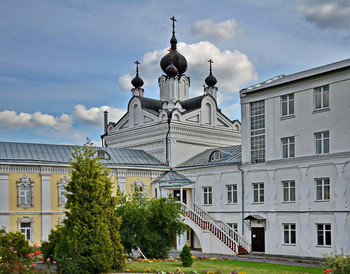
(210, 80)
(171, 70)
(179, 62)
(137, 82)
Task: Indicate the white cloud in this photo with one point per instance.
(209, 30)
(11, 120)
(232, 110)
(232, 69)
(94, 116)
(327, 14)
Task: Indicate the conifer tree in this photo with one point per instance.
(90, 234)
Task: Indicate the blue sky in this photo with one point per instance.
(62, 63)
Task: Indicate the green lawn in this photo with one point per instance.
(223, 266)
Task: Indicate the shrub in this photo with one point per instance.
(48, 247)
(337, 262)
(16, 240)
(186, 256)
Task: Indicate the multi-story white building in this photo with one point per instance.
(296, 161)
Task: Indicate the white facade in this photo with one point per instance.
(306, 171)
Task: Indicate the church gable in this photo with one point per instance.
(223, 121)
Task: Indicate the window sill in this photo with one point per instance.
(286, 117)
(231, 203)
(320, 201)
(289, 244)
(206, 204)
(325, 246)
(320, 110)
(288, 202)
(257, 203)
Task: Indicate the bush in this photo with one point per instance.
(16, 240)
(338, 263)
(186, 256)
(48, 247)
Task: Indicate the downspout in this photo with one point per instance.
(166, 143)
(242, 174)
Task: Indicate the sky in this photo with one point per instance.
(62, 63)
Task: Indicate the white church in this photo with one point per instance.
(277, 182)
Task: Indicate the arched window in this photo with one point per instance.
(25, 226)
(103, 154)
(140, 186)
(25, 192)
(207, 114)
(136, 114)
(61, 187)
(215, 156)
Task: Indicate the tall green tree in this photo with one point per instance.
(90, 237)
(150, 224)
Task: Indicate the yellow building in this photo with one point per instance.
(33, 179)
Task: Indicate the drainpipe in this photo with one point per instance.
(242, 174)
(105, 123)
(166, 143)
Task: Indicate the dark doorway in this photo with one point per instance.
(258, 239)
(184, 195)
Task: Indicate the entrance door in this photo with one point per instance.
(258, 239)
(177, 195)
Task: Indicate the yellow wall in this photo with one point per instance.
(13, 192)
(114, 180)
(146, 180)
(55, 219)
(36, 225)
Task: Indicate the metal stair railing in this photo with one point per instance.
(203, 219)
(208, 224)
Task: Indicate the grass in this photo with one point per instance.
(223, 266)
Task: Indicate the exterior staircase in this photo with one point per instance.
(222, 231)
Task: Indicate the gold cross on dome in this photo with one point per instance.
(174, 20)
(171, 53)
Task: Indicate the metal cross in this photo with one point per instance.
(210, 61)
(173, 19)
(137, 65)
(171, 53)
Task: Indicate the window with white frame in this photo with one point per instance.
(287, 104)
(258, 192)
(231, 233)
(257, 132)
(288, 191)
(288, 147)
(25, 226)
(25, 192)
(231, 194)
(140, 186)
(322, 189)
(322, 142)
(324, 237)
(289, 234)
(207, 195)
(321, 97)
(215, 156)
(61, 188)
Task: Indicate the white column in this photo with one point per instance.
(4, 200)
(45, 205)
(181, 240)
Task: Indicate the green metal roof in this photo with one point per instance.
(60, 154)
(172, 179)
(230, 155)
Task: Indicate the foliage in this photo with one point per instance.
(48, 247)
(16, 240)
(89, 238)
(150, 224)
(338, 263)
(186, 256)
(15, 253)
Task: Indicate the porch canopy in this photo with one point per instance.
(172, 179)
(254, 217)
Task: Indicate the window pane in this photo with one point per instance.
(326, 193)
(28, 234)
(286, 236)
(285, 195)
(328, 238)
(318, 101)
(291, 107)
(284, 108)
(292, 153)
(292, 194)
(292, 240)
(29, 197)
(326, 100)
(318, 146)
(326, 146)
(319, 193)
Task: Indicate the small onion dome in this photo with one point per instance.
(210, 80)
(137, 82)
(171, 70)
